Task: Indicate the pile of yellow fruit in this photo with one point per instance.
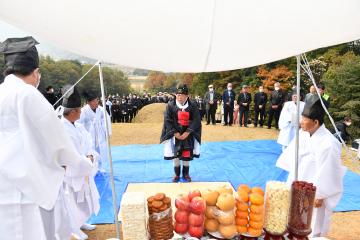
(220, 207)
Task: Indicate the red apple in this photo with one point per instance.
(192, 194)
(196, 231)
(182, 202)
(196, 220)
(181, 216)
(180, 228)
(198, 205)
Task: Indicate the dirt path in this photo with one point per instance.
(147, 129)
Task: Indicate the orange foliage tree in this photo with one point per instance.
(187, 78)
(155, 80)
(279, 74)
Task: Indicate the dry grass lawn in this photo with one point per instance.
(146, 129)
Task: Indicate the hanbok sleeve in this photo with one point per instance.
(330, 172)
(45, 132)
(285, 117)
(195, 124)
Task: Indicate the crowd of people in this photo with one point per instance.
(124, 108)
(232, 108)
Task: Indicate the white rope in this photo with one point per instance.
(306, 68)
(75, 84)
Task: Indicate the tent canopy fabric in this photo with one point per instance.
(187, 35)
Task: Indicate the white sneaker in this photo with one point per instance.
(80, 235)
(88, 227)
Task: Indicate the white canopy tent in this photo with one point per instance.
(187, 35)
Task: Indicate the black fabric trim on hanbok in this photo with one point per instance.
(171, 126)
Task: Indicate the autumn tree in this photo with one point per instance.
(155, 80)
(279, 74)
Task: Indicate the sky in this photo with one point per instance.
(44, 48)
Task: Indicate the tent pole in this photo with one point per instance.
(297, 116)
(109, 153)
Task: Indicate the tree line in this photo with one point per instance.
(62, 72)
(337, 67)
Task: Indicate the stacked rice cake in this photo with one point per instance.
(133, 216)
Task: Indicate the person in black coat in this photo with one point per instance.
(181, 133)
(124, 111)
(260, 100)
(115, 111)
(244, 100)
(277, 98)
(50, 96)
(210, 99)
(228, 98)
(342, 126)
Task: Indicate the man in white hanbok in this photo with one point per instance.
(92, 118)
(287, 121)
(80, 191)
(319, 163)
(34, 151)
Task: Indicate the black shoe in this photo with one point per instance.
(185, 173)
(268, 127)
(214, 124)
(187, 178)
(230, 125)
(176, 178)
(207, 123)
(261, 126)
(255, 126)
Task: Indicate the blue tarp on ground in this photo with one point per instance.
(250, 162)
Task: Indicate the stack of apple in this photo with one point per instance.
(250, 210)
(190, 214)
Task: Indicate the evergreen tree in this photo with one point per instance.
(343, 85)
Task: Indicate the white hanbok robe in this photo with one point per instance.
(319, 163)
(94, 123)
(287, 122)
(80, 191)
(34, 147)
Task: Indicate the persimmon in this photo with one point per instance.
(244, 187)
(242, 206)
(256, 199)
(243, 195)
(241, 229)
(257, 190)
(256, 225)
(242, 214)
(254, 232)
(241, 222)
(256, 217)
(257, 209)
